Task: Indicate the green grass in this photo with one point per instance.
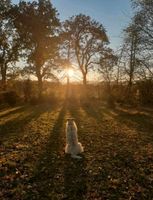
(117, 163)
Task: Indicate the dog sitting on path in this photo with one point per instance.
(73, 147)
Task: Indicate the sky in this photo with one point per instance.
(114, 15)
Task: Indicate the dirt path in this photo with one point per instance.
(117, 162)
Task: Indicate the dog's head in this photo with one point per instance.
(70, 120)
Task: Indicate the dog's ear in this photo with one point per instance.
(70, 119)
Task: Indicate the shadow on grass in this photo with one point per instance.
(14, 127)
(141, 119)
(75, 178)
(138, 120)
(14, 111)
(94, 110)
(46, 176)
(3, 107)
(74, 170)
(73, 107)
(125, 159)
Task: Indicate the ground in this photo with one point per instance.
(117, 163)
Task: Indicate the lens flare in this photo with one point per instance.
(70, 72)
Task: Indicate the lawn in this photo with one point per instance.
(117, 163)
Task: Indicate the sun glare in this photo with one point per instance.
(70, 72)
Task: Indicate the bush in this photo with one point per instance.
(110, 101)
(10, 97)
(47, 99)
(145, 92)
(34, 100)
(27, 89)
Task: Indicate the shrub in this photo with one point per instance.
(34, 100)
(49, 99)
(145, 92)
(110, 101)
(27, 89)
(10, 97)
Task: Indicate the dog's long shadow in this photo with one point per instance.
(74, 169)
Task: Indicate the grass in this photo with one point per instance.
(117, 163)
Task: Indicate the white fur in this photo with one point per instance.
(73, 147)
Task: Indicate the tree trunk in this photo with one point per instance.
(110, 99)
(84, 79)
(40, 86)
(3, 74)
(85, 92)
(4, 83)
(132, 65)
(39, 77)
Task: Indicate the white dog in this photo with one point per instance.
(73, 147)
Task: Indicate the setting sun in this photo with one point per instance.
(70, 72)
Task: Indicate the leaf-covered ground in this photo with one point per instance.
(117, 163)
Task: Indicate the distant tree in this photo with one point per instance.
(37, 25)
(131, 45)
(143, 19)
(138, 44)
(120, 65)
(143, 22)
(107, 68)
(9, 45)
(84, 40)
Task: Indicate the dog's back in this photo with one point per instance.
(73, 147)
(71, 132)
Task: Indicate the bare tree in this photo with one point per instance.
(143, 22)
(131, 53)
(86, 40)
(107, 68)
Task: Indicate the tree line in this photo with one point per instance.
(33, 41)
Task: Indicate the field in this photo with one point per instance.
(117, 163)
